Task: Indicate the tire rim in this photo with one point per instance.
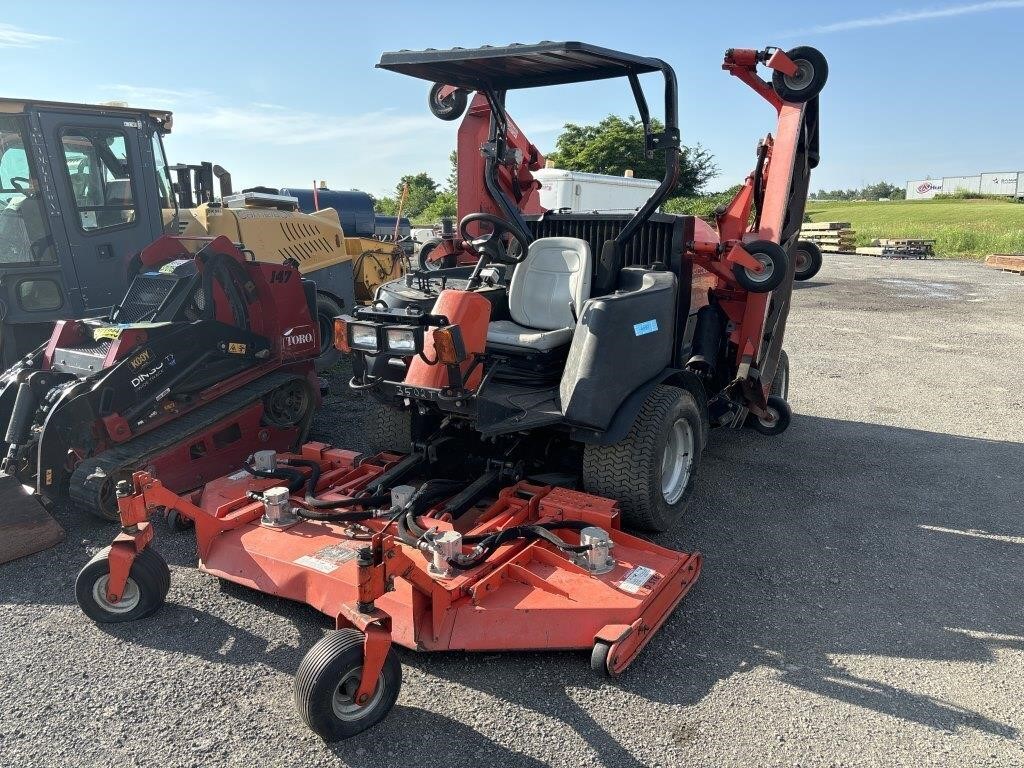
(802, 78)
(803, 261)
(129, 598)
(343, 700)
(769, 424)
(431, 265)
(287, 406)
(765, 274)
(677, 461)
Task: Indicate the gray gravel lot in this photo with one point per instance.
(860, 603)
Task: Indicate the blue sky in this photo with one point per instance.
(281, 94)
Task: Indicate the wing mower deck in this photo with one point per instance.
(526, 567)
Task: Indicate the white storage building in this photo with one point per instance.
(1004, 183)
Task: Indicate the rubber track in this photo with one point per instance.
(84, 489)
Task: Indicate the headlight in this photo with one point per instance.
(402, 341)
(363, 336)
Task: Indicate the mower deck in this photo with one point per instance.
(552, 591)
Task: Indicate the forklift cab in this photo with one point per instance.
(82, 189)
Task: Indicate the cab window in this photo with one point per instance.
(98, 171)
(24, 230)
(165, 191)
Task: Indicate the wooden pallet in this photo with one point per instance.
(1007, 262)
(825, 225)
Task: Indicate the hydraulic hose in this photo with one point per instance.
(313, 503)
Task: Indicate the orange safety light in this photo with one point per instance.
(341, 335)
(449, 346)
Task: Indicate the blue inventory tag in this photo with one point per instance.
(647, 327)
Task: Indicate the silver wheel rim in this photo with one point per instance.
(764, 275)
(129, 598)
(677, 461)
(428, 264)
(769, 424)
(802, 78)
(343, 700)
(803, 261)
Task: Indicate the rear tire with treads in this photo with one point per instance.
(389, 429)
(326, 310)
(652, 490)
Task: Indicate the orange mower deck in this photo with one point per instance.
(528, 595)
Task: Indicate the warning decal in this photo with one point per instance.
(636, 579)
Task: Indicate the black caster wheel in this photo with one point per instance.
(781, 414)
(145, 591)
(808, 81)
(807, 260)
(451, 107)
(599, 659)
(326, 683)
(177, 522)
(774, 261)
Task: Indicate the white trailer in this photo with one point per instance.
(951, 185)
(592, 192)
(925, 189)
(999, 183)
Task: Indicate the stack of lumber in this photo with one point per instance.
(904, 248)
(1009, 262)
(831, 236)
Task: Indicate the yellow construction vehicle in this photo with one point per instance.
(84, 187)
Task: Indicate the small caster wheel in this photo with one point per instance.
(599, 659)
(774, 261)
(178, 522)
(326, 683)
(810, 78)
(145, 591)
(451, 107)
(807, 260)
(780, 411)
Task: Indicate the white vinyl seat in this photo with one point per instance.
(555, 272)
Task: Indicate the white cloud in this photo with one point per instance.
(908, 17)
(15, 37)
(259, 125)
(146, 96)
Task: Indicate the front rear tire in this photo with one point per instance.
(652, 471)
(327, 680)
(145, 591)
(326, 310)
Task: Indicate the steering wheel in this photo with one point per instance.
(489, 244)
(18, 186)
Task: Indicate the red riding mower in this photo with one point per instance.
(207, 358)
(617, 343)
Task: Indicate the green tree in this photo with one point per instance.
(387, 206)
(445, 204)
(422, 192)
(616, 144)
(453, 174)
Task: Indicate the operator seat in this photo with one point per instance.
(545, 295)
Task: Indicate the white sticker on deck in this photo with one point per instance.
(238, 475)
(636, 579)
(317, 564)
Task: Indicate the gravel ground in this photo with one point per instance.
(860, 602)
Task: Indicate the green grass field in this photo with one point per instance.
(969, 229)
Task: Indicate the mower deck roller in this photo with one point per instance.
(551, 562)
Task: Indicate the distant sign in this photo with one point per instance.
(925, 189)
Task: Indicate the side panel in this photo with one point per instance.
(621, 341)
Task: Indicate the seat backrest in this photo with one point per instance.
(556, 271)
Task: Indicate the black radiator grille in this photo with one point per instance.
(146, 295)
(657, 240)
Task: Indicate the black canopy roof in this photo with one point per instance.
(518, 65)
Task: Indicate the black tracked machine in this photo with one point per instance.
(208, 358)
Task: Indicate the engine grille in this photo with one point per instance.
(145, 296)
(660, 239)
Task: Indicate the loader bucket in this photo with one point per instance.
(25, 525)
